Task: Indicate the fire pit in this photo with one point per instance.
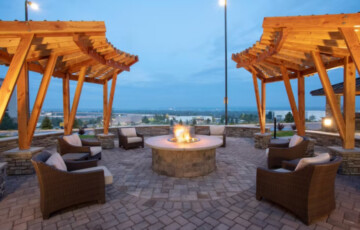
(182, 155)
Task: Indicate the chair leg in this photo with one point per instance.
(258, 197)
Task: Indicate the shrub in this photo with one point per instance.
(46, 123)
(81, 131)
(280, 126)
(293, 126)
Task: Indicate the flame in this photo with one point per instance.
(182, 134)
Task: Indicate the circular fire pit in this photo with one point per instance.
(183, 159)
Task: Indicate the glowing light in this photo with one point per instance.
(33, 5)
(327, 122)
(222, 2)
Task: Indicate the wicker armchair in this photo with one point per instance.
(278, 154)
(307, 192)
(85, 147)
(126, 136)
(61, 189)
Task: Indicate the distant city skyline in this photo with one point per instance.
(180, 45)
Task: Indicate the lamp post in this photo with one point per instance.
(224, 4)
(33, 5)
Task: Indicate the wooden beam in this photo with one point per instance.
(40, 97)
(329, 92)
(292, 101)
(111, 100)
(258, 103)
(76, 98)
(66, 103)
(349, 103)
(23, 107)
(263, 106)
(105, 106)
(301, 103)
(12, 74)
(353, 44)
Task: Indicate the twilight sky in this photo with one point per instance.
(180, 44)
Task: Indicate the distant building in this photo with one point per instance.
(314, 115)
(12, 107)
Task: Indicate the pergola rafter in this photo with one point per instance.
(301, 46)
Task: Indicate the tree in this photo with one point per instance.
(181, 122)
(56, 121)
(208, 121)
(145, 120)
(312, 118)
(269, 115)
(46, 123)
(193, 121)
(77, 123)
(7, 123)
(289, 117)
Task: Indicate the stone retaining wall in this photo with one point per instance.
(327, 139)
(233, 130)
(146, 130)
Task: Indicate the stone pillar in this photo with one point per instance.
(106, 140)
(18, 161)
(262, 140)
(328, 114)
(2, 178)
(350, 164)
(310, 148)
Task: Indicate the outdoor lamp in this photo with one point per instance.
(327, 122)
(222, 2)
(33, 5)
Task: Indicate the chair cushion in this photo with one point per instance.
(322, 158)
(218, 136)
(73, 139)
(134, 139)
(107, 174)
(295, 140)
(128, 132)
(217, 129)
(282, 170)
(56, 161)
(95, 150)
(267, 152)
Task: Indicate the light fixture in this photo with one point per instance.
(222, 2)
(327, 122)
(33, 5)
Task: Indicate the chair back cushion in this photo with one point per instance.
(73, 139)
(217, 129)
(321, 158)
(128, 132)
(56, 161)
(295, 140)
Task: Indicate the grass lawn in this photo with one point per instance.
(284, 133)
(87, 136)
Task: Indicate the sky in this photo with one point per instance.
(180, 44)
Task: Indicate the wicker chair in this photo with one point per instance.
(125, 136)
(307, 192)
(61, 189)
(283, 152)
(86, 147)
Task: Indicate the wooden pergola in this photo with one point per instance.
(77, 51)
(301, 46)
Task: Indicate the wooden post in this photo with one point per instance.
(111, 99)
(301, 103)
(35, 113)
(76, 98)
(23, 107)
(258, 103)
(66, 103)
(353, 44)
(329, 92)
(263, 105)
(12, 74)
(292, 101)
(349, 103)
(105, 106)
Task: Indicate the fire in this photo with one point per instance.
(182, 134)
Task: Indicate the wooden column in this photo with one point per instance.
(258, 103)
(23, 107)
(353, 44)
(349, 103)
(329, 92)
(301, 103)
(263, 105)
(105, 106)
(66, 103)
(111, 99)
(35, 113)
(76, 98)
(12, 74)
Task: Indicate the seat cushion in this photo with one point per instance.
(322, 158)
(295, 140)
(107, 174)
(128, 132)
(267, 152)
(56, 161)
(282, 170)
(134, 140)
(95, 150)
(217, 129)
(73, 139)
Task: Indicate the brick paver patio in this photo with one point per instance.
(141, 199)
